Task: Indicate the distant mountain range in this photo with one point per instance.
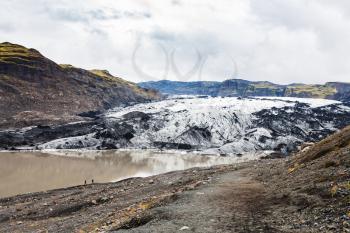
(240, 87)
(36, 90)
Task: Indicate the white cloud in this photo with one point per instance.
(281, 41)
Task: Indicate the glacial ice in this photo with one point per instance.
(221, 125)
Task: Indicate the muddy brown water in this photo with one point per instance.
(24, 172)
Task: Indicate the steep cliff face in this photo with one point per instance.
(36, 90)
(240, 87)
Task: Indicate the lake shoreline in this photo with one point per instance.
(256, 194)
(33, 171)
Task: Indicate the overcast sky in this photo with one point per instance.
(283, 41)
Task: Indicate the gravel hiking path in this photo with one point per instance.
(229, 202)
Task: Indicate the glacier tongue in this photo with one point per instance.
(220, 125)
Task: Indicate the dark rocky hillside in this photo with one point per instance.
(240, 87)
(36, 90)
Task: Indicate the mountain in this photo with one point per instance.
(212, 125)
(36, 90)
(240, 87)
(184, 88)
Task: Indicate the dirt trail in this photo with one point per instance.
(229, 202)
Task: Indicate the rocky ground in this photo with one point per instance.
(307, 192)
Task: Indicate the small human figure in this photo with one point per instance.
(85, 182)
(92, 181)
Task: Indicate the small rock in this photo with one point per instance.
(108, 223)
(94, 202)
(197, 184)
(184, 228)
(19, 222)
(151, 182)
(332, 227)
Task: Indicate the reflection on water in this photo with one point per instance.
(23, 172)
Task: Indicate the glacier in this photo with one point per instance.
(213, 125)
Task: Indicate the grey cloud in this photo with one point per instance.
(176, 2)
(162, 35)
(100, 14)
(6, 27)
(205, 42)
(69, 15)
(280, 41)
(136, 14)
(85, 16)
